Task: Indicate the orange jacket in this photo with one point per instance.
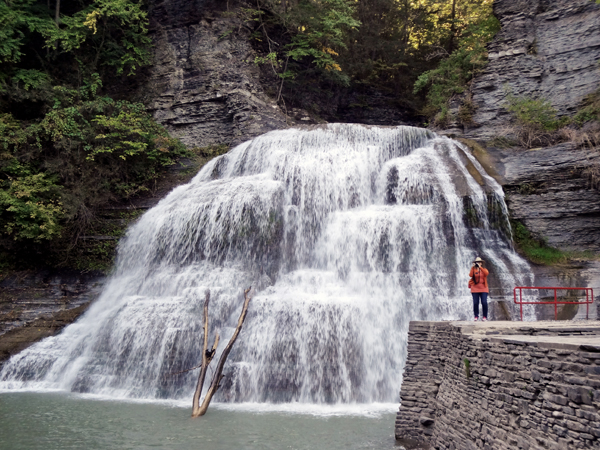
(480, 275)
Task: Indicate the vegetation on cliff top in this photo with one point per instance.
(315, 50)
(67, 148)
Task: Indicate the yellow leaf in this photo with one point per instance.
(92, 20)
(333, 66)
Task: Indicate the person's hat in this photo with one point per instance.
(478, 259)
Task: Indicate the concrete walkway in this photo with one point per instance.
(568, 335)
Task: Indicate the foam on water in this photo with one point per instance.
(346, 232)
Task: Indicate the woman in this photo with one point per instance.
(479, 287)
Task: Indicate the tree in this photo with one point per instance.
(66, 148)
(207, 357)
(101, 32)
(454, 72)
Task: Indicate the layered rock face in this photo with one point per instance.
(203, 85)
(546, 48)
(36, 305)
(553, 193)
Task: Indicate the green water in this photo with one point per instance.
(49, 421)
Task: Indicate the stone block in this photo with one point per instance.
(576, 426)
(558, 399)
(593, 370)
(575, 395)
(491, 373)
(426, 421)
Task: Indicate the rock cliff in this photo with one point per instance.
(35, 305)
(203, 85)
(546, 48)
(549, 49)
(551, 191)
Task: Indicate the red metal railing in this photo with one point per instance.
(589, 298)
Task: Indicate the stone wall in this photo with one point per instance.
(501, 385)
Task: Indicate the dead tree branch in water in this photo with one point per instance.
(207, 356)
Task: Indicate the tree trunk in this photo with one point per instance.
(452, 27)
(57, 13)
(206, 359)
(218, 375)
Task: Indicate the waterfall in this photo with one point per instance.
(346, 233)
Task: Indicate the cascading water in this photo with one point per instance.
(347, 233)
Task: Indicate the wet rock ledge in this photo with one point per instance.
(501, 385)
(35, 305)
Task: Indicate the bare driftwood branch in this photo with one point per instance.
(207, 357)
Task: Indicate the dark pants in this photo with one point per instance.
(476, 296)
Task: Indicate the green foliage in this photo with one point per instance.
(467, 364)
(66, 149)
(85, 151)
(318, 30)
(30, 79)
(18, 19)
(102, 32)
(114, 30)
(128, 131)
(533, 112)
(212, 150)
(322, 29)
(317, 48)
(30, 207)
(269, 58)
(535, 120)
(590, 109)
(97, 250)
(536, 250)
(453, 73)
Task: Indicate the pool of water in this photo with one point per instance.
(49, 421)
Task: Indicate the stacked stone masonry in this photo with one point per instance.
(501, 385)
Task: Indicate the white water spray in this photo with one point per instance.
(347, 232)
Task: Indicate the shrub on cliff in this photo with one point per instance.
(66, 148)
(85, 151)
(590, 109)
(535, 120)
